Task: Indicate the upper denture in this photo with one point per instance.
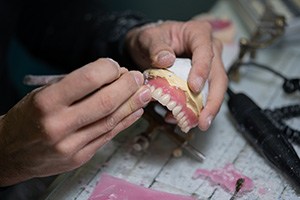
(173, 92)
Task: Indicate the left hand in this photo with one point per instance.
(158, 44)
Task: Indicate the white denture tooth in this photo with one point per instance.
(171, 105)
(182, 120)
(164, 100)
(156, 94)
(185, 129)
(152, 88)
(179, 116)
(176, 110)
(184, 124)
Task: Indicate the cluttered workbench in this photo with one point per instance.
(223, 145)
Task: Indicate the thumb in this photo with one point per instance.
(159, 44)
(149, 45)
(164, 57)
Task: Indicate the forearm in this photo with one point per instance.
(71, 34)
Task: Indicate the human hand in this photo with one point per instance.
(158, 44)
(60, 127)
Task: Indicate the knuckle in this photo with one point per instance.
(111, 122)
(91, 75)
(106, 104)
(205, 24)
(147, 30)
(81, 120)
(96, 69)
(145, 34)
(196, 24)
(204, 67)
(52, 130)
(41, 102)
(209, 55)
(63, 150)
(50, 127)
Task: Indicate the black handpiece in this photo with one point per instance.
(264, 136)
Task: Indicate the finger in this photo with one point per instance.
(85, 135)
(199, 40)
(217, 87)
(83, 81)
(105, 101)
(155, 43)
(89, 150)
(123, 70)
(169, 118)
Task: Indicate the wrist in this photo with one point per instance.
(9, 170)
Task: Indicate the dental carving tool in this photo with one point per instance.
(39, 80)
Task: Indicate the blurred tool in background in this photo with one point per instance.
(267, 133)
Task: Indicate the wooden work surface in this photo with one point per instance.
(156, 168)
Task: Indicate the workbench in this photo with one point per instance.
(158, 169)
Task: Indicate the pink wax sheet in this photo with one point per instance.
(226, 177)
(112, 188)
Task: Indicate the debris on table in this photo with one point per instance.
(227, 177)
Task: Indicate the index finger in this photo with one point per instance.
(200, 43)
(217, 87)
(84, 81)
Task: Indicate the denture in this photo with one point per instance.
(169, 87)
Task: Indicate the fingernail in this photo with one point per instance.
(145, 95)
(139, 113)
(209, 120)
(164, 56)
(139, 78)
(197, 84)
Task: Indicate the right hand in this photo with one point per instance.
(158, 44)
(60, 127)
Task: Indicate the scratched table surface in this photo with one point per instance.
(156, 168)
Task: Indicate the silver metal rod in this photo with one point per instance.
(39, 80)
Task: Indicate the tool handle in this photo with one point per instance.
(264, 136)
(251, 119)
